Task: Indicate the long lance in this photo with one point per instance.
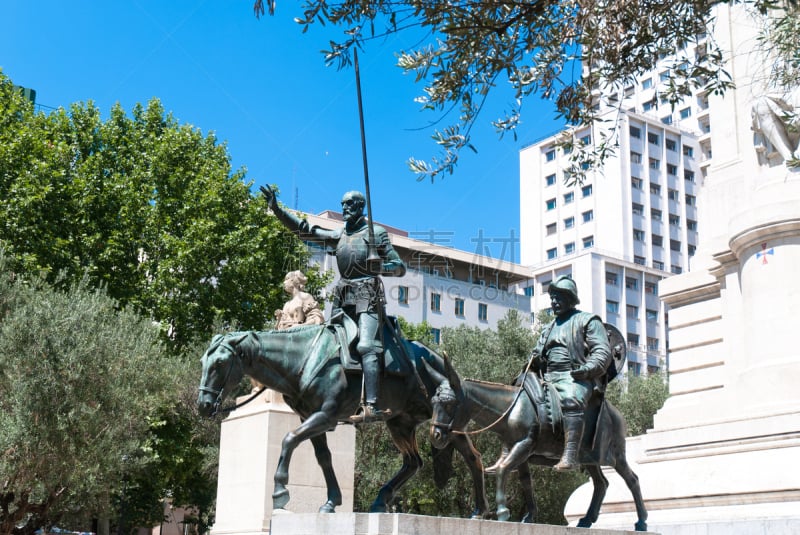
(373, 256)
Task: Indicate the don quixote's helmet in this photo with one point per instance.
(565, 284)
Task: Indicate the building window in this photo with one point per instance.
(655, 214)
(635, 368)
(528, 291)
(658, 264)
(674, 245)
(647, 83)
(546, 286)
(691, 224)
(587, 216)
(688, 151)
(655, 189)
(550, 155)
(402, 295)
(648, 105)
(672, 169)
(638, 235)
(653, 138)
(436, 302)
(611, 278)
(612, 307)
(569, 248)
(658, 241)
(436, 335)
(585, 140)
(655, 163)
(676, 270)
(569, 197)
(632, 311)
(667, 119)
(673, 195)
(636, 157)
(691, 249)
(652, 343)
(459, 308)
(552, 253)
(632, 283)
(483, 311)
(635, 132)
(671, 144)
(586, 191)
(550, 180)
(551, 228)
(686, 113)
(691, 200)
(550, 204)
(688, 175)
(569, 222)
(637, 182)
(642, 261)
(674, 220)
(652, 315)
(637, 209)
(588, 241)
(633, 340)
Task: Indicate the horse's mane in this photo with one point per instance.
(491, 383)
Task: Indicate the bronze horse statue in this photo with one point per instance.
(523, 427)
(309, 366)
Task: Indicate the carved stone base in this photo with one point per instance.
(403, 524)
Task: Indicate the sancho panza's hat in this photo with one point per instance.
(565, 284)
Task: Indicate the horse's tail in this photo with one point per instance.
(442, 465)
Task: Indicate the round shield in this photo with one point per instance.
(618, 351)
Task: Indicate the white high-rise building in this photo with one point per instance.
(629, 224)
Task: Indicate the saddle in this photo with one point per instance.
(396, 358)
(544, 398)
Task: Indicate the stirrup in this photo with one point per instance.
(369, 413)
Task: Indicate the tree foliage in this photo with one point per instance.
(144, 206)
(561, 51)
(79, 379)
(638, 397)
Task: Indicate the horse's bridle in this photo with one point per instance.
(214, 391)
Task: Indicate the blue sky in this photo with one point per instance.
(262, 86)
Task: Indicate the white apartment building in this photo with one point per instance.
(631, 223)
(443, 286)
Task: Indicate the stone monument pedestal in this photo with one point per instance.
(403, 524)
(250, 446)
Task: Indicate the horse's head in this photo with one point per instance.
(447, 404)
(222, 371)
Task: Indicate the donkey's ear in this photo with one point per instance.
(452, 376)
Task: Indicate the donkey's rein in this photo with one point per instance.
(505, 412)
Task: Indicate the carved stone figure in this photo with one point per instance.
(775, 117)
(302, 308)
(359, 292)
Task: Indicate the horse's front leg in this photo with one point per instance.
(317, 423)
(473, 459)
(323, 455)
(518, 455)
(524, 472)
(405, 440)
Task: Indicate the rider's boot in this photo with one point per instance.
(573, 433)
(493, 469)
(369, 411)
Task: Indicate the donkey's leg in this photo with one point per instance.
(632, 480)
(524, 473)
(518, 455)
(600, 484)
(473, 459)
(317, 423)
(323, 454)
(405, 439)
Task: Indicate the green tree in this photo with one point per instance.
(561, 51)
(79, 379)
(144, 206)
(638, 397)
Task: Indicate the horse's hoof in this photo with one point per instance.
(527, 519)
(328, 507)
(641, 525)
(280, 499)
(584, 523)
(281, 512)
(377, 508)
(503, 514)
(476, 516)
